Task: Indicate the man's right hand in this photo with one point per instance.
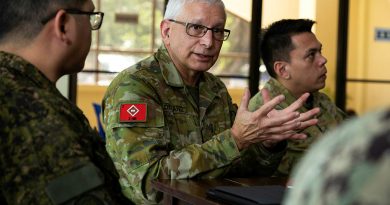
(269, 125)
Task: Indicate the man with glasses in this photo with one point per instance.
(49, 153)
(167, 117)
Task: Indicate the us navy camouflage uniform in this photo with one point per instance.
(350, 165)
(179, 139)
(329, 117)
(49, 154)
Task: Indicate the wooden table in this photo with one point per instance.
(193, 191)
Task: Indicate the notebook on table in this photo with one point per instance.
(251, 195)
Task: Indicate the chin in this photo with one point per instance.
(76, 69)
(321, 87)
(206, 66)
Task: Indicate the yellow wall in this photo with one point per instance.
(86, 95)
(367, 58)
(274, 10)
(326, 32)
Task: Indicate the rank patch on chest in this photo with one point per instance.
(133, 112)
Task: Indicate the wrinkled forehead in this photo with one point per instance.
(203, 12)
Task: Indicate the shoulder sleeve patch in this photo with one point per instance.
(133, 112)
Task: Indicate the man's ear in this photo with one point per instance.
(165, 28)
(281, 70)
(61, 26)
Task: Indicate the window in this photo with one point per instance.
(131, 32)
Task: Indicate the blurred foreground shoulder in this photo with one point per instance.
(350, 165)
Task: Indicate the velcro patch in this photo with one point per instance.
(133, 112)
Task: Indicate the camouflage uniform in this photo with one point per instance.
(49, 154)
(179, 138)
(329, 116)
(350, 165)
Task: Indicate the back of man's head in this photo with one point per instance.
(174, 7)
(276, 40)
(22, 20)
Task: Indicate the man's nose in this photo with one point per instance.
(323, 60)
(207, 39)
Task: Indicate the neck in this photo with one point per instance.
(190, 78)
(33, 53)
(296, 92)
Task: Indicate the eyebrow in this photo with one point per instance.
(315, 49)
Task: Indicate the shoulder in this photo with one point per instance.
(327, 105)
(364, 128)
(274, 88)
(349, 163)
(135, 78)
(146, 68)
(255, 102)
(323, 97)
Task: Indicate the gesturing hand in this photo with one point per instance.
(306, 119)
(268, 124)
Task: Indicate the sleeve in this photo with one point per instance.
(45, 155)
(141, 150)
(257, 160)
(341, 115)
(267, 161)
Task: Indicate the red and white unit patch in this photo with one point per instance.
(133, 112)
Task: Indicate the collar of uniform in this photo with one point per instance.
(168, 69)
(277, 88)
(18, 64)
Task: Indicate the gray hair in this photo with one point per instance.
(174, 7)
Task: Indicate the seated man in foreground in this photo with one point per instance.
(49, 154)
(167, 117)
(292, 56)
(349, 165)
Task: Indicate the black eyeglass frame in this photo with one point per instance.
(77, 12)
(226, 32)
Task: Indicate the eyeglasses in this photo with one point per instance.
(95, 18)
(197, 30)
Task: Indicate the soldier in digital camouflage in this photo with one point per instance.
(167, 117)
(348, 166)
(49, 153)
(293, 58)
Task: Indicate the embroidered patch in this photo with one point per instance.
(133, 112)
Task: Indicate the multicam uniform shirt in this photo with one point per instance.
(49, 154)
(349, 165)
(155, 129)
(329, 117)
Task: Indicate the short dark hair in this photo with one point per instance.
(22, 18)
(276, 40)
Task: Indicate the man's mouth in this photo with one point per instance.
(323, 76)
(203, 56)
